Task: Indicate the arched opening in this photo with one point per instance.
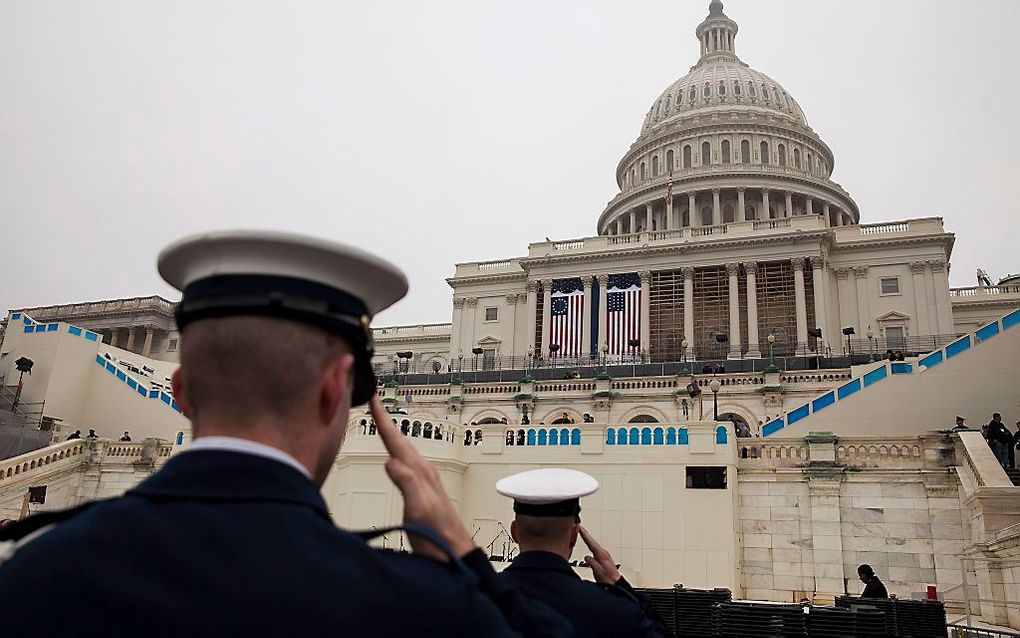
(554, 437)
(687, 155)
(707, 90)
(669, 161)
(796, 158)
(706, 216)
(657, 438)
(510, 437)
(753, 92)
(782, 155)
(646, 436)
(764, 152)
(478, 437)
(706, 154)
(809, 167)
(562, 419)
(575, 436)
(520, 437)
(722, 88)
(644, 171)
(727, 214)
(489, 420)
(725, 151)
(610, 436)
(740, 426)
(405, 427)
(655, 166)
(765, 92)
(745, 152)
(426, 431)
(416, 429)
(736, 87)
(643, 418)
(693, 94)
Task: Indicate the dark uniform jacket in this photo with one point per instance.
(231, 544)
(595, 610)
(874, 589)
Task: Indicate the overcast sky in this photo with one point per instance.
(437, 132)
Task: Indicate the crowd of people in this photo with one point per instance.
(1004, 443)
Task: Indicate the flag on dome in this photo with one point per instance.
(623, 312)
(669, 194)
(566, 327)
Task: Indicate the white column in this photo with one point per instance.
(789, 204)
(646, 280)
(546, 315)
(471, 316)
(733, 270)
(848, 314)
(633, 220)
(586, 317)
(130, 347)
(532, 315)
(716, 210)
(810, 206)
(648, 217)
(929, 289)
(692, 205)
(820, 281)
(455, 328)
(603, 302)
(739, 214)
(800, 303)
(921, 325)
(753, 341)
(765, 213)
(863, 305)
(147, 346)
(825, 213)
(943, 307)
(688, 272)
(669, 214)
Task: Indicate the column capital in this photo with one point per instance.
(860, 272)
(645, 276)
(586, 281)
(603, 279)
(917, 267)
(750, 267)
(937, 265)
(458, 302)
(818, 262)
(764, 190)
(732, 269)
(511, 299)
(547, 283)
(740, 189)
(798, 263)
(687, 271)
(522, 297)
(471, 302)
(715, 191)
(842, 273)
(532, 285)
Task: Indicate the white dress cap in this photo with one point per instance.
(550, 485)
(376, 282)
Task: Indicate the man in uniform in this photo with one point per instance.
(873, 587)
(232, 536)
(546, 526)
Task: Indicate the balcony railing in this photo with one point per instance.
(985, 291)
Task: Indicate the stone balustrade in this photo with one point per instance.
(54, 458)
(421, 329)
(928, 451)
(986, 291)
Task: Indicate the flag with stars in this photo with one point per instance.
(566, 327)
(623, 312)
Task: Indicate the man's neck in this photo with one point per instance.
(565, 555)
(260, 435)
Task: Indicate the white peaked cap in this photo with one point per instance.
(551, 485)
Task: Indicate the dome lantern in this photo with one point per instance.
(717, 33)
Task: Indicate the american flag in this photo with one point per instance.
(623, 310)
(566, 327)
(669, 194)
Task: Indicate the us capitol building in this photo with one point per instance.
(714, 354)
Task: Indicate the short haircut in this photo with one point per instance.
(543, 529)
(245, 368)
(866, 570)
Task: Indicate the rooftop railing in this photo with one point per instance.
(985, 291)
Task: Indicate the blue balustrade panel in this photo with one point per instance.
(575, 436)
(875, 376)
(91, 336)
(900, 367)
(74, 330)
(610, 436)
(931, 360)
(1011, 320)
(796, 415)
(720, 435)
(986, 333)
(646, 436)
(823, 401)
(554, 437)
(683, 437)
(657, 438)
(957, 347)
(670, 436)
(772, 427)
(543, 437)
(621, 436)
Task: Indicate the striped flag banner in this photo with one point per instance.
(623, 313)
(567, 316)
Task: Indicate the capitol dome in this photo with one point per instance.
(724, 144)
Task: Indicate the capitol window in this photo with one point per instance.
(706, 478)
(765, 92)
(669, 160)
(751, 90)
(736, 87)
(687, 156)
(644, 171)
(694, 94)
(706, 154)
(782, 155)
(796, 158)
(171, 345)
(655, 166)
(890, 285)
(764, 152)
(708, 90)
(725, 151)
(810, 167)
(727, 214)
(667, 102)
(745, 152)
(492, 313)
(722, 87)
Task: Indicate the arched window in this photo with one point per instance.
(416, 429)
(809, 166)
(554, 437)
(765, 92)
(543, 437)
(736, 87)
(657, 436)
(706, 154)
(564, 436)
(646, 436)
(632, 177)
(575, 436)
(764, 152)
(707, 90)
(437, 433)
(670, 436)
(706, 216)
(655, 166)
(426, 431)
(520, 437)
(796, 158)
(693, 94)
(782, 155)
(405, 427)
(748, 213)
(610, 436)
(634, 438)
(621, 436)
(751, 90)
(720, 435)
(510, 437)
(727, 214)
(656, 113)
(644, 171)
(643, 418)
(725, 148)
(687, 155)
(681, 435)
(745, 152)
(722, 87)
(669, 161)
(667, 102)
(679, 98)
(531, 437)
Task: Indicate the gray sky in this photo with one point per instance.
(436, 132)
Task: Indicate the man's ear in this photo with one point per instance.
(337, 385)
(513, 531)
(574, 531)
(180, 396)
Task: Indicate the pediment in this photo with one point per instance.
(893, 316)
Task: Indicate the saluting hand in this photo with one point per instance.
(603, 567)
(425, 500)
